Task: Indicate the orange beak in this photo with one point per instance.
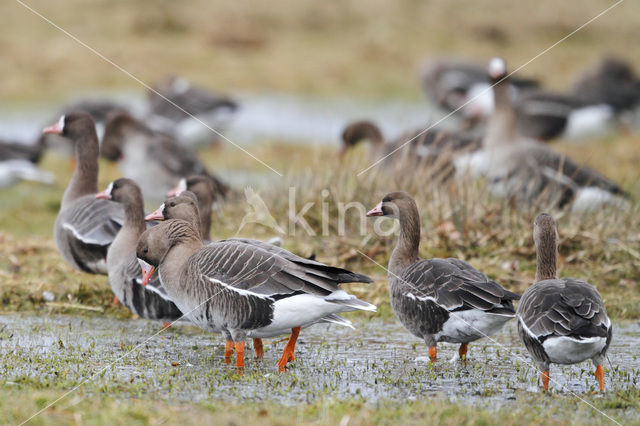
(147, 271)
(157, 215)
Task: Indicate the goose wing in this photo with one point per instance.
(94, 221)
(455, 285)
(266, 271)
(563, 307)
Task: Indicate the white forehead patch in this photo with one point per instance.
(161, 208)
(182, 186)
(109, 189)
(497, 67)
(61, 123)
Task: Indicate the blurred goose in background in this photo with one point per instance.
(152, 159)
(150, 301)
(85, 226)
(18, 162)
(595, 106)
(194, 101)
(452, 84)
(433, 148)
(561, 321)
(244, 288)
(439, 300)
(528, 171)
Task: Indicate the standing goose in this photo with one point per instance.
(208, 191)
(183, 207)
(149, 301)
(439, 300)
(151, 158)
(85, 226)
(243, 290)
(529, 171)
(561, 321)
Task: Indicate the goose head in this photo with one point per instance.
(497, 70)
(184, 206)
(121, 190)
(393, 205)
(359, 131)
(72, 126)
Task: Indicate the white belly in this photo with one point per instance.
(567, 350)
(591, 197)
(589, 122)
(470, 325)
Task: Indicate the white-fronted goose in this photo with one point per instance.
(434, 149)
(451, 83)
(561, 321)
(150, 301)
(185, 207)
(85, 226)
(439, 300)
(212, 108)
(244, 289)
(208, 191)
(153, 159)
(18, 162)
(529, 171)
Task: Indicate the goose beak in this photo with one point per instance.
(157, 215)
(104, 195)
(55, 129)
(376, 211)
(147, 271)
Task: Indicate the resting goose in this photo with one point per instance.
(184, 207)
(150, 301)
(527, 170)
(244, 288)
(85, 226)
(208, 190)
(451, 84)
(561, 321)
(18, 162)
(434, 149)
(153, 159)
(212, 108)
(439, 300)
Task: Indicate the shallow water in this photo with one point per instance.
(375, 361)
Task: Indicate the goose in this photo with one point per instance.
(150, 301)
(153, 159)
(561, 321)
(18, 162)
(85, 226)
(11, 150)
(212, 108)
(244, 288)
(433, 148)
(454, 84)
(529, 171)
(185, 207)
(208, 191)
(439, 300)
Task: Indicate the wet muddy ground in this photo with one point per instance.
(377, 361)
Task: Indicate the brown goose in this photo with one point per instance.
(149, 301)
(454, 84)
(208, 191)
(184, 207)
(153, 159)
(529, 171)
(435, 149)
(241, 289)
(439, 300)
(85, 226)
(561, 321)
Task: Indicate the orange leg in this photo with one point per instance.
(287, 354)
(433, 351)
(545, 379)
(115, 301)
(240, 356)
(463, 351)
(600, 376)
(228, 351)
(257, 346)
(166, 325)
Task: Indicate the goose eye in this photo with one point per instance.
(172, 204)
(145, 251)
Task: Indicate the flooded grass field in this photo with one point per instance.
(378, 362)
